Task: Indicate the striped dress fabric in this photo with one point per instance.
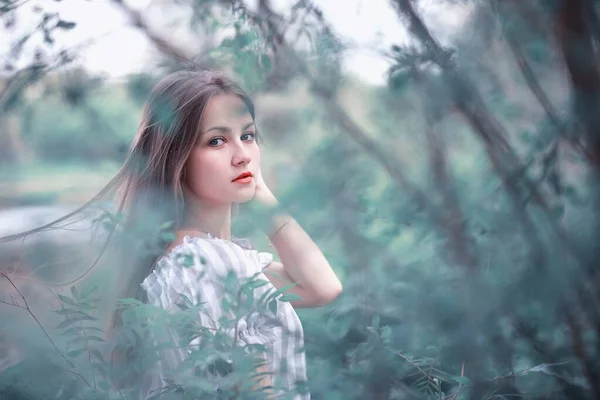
(213, 258)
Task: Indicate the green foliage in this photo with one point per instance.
(467, 245)
(245, 53)
(214, 355)
(98, 126)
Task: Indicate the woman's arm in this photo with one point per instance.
(264, 382)
(302, 261)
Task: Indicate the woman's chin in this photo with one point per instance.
(244, 197)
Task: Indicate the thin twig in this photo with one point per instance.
(26, 307)
(462, 374)
(419, 368)
(500, 378)
(235, 332)
(87, 345)
(12, 304)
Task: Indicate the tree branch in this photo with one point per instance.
(575, 40)
(452, 218)
(163, 45)
(470, 104)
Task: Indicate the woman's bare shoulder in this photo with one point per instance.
(172, 246)
(187, 250)
(180, 243)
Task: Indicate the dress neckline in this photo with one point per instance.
(244, 243)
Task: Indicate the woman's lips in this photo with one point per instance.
(246, 179)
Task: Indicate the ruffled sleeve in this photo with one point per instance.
(193, 271)
(259, 258)
(264, 259)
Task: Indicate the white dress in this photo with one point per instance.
(195, 269)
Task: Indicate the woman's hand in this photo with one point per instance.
(263, 194)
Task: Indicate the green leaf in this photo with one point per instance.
(65, 299)
(75, 353)
(81, 329)
(258, 283)
(108, 225)
(127, 302)
(540, 368)
(66, 323)
(386, 334)
(302, 387)
(89, 291)
(167, 226)
(85, 306)
(96, 353)
(290, 297)
(273, 306)
(65, 312)
(87, 318)
(76, 314)
(74, 292)
(95, 339)
(436, 373)
(187, 300)
(225, 305)
(100, 367)
(546, 368)
(167, 236)
(462, 379)
(70, 331)
(375, 321)
(188, 260)
(255, 348)
(92, 328)
(78, 339)
(265, 61)
(282, 290)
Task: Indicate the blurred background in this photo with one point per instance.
(445, 155)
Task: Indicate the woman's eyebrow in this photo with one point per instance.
(219, 128)
(248, 125)
(226, 129)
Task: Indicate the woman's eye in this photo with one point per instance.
(248, 136)
(215, 142)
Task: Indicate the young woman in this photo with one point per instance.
(194, 157)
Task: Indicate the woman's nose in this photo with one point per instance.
(241, 156)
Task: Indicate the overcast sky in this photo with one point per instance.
(112, 47)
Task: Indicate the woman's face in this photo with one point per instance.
(225, 149)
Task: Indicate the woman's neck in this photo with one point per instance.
(215, 219)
